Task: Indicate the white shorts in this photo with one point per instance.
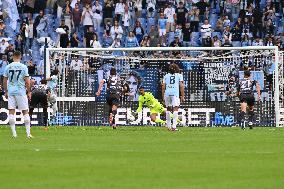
(172, 101)
(162, 32)
(18, 101)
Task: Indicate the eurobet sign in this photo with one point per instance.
(188, 116)
(4, 118)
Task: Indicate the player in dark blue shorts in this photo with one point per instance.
(246, 95)
(114, 91)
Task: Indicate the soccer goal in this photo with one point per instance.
(210, 75)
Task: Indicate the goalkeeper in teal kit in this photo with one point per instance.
(147, 99)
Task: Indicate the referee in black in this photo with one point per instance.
(40, 94)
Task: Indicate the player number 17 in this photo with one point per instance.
(12, 72)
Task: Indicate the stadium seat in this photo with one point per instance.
(150, 22)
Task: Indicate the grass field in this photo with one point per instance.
(142, 157)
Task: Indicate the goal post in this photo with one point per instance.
(206, 71)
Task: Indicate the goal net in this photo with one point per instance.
(209, 73)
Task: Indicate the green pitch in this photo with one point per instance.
(142, 157)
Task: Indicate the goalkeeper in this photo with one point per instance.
(147, 99)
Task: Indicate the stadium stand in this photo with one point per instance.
(24, 25)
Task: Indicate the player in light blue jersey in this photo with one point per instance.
(52, 84)
(173, 93)
(17, 87)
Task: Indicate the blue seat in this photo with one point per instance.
(143, 23)
(219, 35)
(150, 22)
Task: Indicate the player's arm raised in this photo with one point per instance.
(100, 87)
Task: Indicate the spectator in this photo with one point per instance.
(268, 28)
(257, 42)
(146, 41)
(236, 36)
(116, 43)
(227, 43)
(36, 22)
(3, 64)
(76, 64)
(131, 7)
(74, 41)
(126, 19)
(97, 19)
(206, 30)
(216, 41)
(19, 44)
(116, 31)
(169, 13)
(246, 27)
(186, 33)
(107, 40)
(108, 12)
(245, 41)
(269, 41)
(227, 34)
(181, 14)
(226, 22)
(87, 17)
(30, 34)
(67, 16)
(89, 35)
(9, 53)
(257, 21)
(207, 42)
(119, 9)
(151, 4)
(31, 68)
(131, 41)
(195, 23)
(153, 35)
(108, 27)
(60, 5)
(3, 46)
(176, 42)
(138, 8)
(202, 6)
(162, 25)
(77, 17)
(219, 25)
(178, 31)
(95, 42)
(64, 40)
(138, 31)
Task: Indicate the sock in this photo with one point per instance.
(242, 117)
(27, 121)
(158, 120)
(251, 116)
(45, 116)
(169, 120)
(12, 122)
(175, 118)
(114, 112)
(31, 110)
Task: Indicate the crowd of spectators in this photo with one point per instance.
(133, 23)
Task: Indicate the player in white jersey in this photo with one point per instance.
(52, 84)
(17, 87)
(173, 93)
